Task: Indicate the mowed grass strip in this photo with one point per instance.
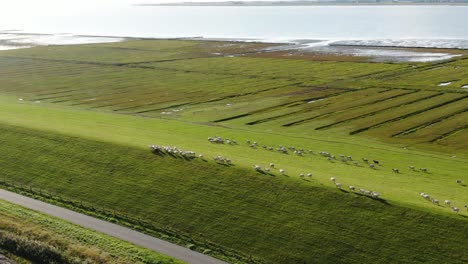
(400, 113)
(442, 130)
(270, 218)
(401, 129)
(345, 105)
(345, 116)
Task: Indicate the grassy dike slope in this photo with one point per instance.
(43, 239)
(273, 219)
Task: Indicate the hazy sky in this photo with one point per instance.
(9, 7)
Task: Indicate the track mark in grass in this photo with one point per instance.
(414, 129)
(51, 97)
(59, 92)
(406, 116)
(449, 134)
(378, 111)
(230, 118)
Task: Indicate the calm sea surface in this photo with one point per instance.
(440, 26)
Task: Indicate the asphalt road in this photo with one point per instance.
(111, 229)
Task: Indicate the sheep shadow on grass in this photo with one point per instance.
(367, 196)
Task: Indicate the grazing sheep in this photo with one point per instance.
(362, 190)
(338, 185)
(423, 169)
(456, 209)
(200, 156)
(435, 201)
(257, 168)
(311, 152)
(466, 207)
(309, 174)
(216, 139)
(332, 179)
(351, 188)
(447, 202)
(281, 171)
(267, 169)
(376, 162)
(375, 195)
(395, 170)
(301, 175)
(372, 166)
(459, 181)
(425, 196)
(412, 168)
(272, 165)
(365, 160)
(355, 163)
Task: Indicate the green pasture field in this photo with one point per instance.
(74, 243)
(272, 218)
(77, 121)
(135, 51)
(200, 81)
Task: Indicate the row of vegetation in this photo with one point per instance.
(41, 239)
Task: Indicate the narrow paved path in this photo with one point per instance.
(111, 229)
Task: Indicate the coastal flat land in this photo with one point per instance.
(76, 123)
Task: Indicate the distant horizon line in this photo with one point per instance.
(306, 3)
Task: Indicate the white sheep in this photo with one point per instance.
(447, 202)
(332, 179)
(352, 188)
(338, 185)
(281, 171)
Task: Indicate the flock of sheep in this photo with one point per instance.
(446, 202)
(174, 151)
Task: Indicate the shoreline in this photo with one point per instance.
(279, 47)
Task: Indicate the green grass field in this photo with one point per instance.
(79, 126)
(72, 243)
